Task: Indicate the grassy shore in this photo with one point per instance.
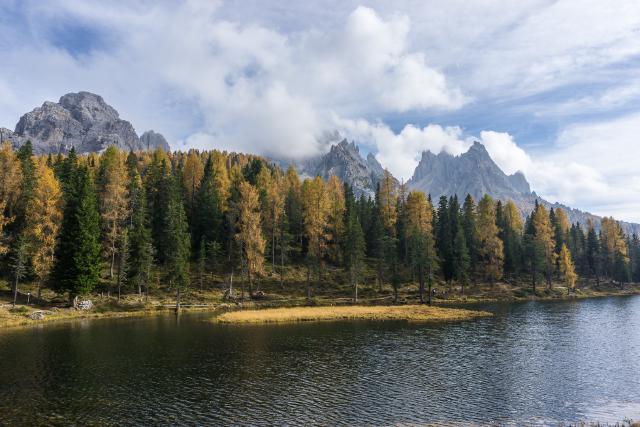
(331, 291)
(414, 313)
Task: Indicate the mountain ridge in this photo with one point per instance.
(82, 120)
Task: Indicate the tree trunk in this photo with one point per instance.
(281, 265)
(178, 300)
(231, 284)
(15, 292)
(421, 281)
(39, 288)
(430, 279)
(308, 283)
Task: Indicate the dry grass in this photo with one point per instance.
(414, 313)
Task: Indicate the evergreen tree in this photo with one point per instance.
(207, 217)
(76, 268)
(470, 233)
(444, 239)
(593, 252)
(353, 245)
(177, 242)
(544, 239)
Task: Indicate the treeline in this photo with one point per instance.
(123, 221)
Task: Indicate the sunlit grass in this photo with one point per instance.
(415, 313)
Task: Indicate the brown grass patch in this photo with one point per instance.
(414, 313)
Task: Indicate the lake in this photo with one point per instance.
(535, 363)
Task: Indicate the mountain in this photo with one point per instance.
(475, 173)
(82, 120)
(344, 161)
(151, 140)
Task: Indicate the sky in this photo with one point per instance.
(551, 88)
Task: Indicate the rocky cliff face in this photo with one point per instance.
(151, 140)
(344, 161)
(475, 173)
(82, 120)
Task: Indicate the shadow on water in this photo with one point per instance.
(533, 363)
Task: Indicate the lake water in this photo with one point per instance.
(537, 363)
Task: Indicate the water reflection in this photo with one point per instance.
(533, 363)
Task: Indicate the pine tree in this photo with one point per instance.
(141, 250)
(490, 247)
(76, 267)
(201, 264)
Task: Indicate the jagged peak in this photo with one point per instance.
(477, 147)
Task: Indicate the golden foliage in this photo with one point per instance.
(44, 216)
(249, 231)
(567, 269)
(490, 250)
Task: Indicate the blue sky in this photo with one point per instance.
(551, 88)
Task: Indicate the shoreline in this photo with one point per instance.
(21, 319)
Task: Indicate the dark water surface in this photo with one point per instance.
(533, 363)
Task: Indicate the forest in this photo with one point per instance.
(125, 223)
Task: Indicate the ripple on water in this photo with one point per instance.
(531, 364)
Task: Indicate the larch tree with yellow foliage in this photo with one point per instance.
(421, 245)
(388, 201)
(249, 233)
(10, 179)
(567, 270)
(335, 226)
(544, 239)
(44, 216)
(316, 206)
(114, 201)
(490, 247)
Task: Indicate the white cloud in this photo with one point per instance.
(256, 89)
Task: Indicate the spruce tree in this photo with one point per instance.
(207, 212)
(176, 231)
(444, 239)
(470, 233)
(77, 257)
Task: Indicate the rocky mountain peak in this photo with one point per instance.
(82, 120)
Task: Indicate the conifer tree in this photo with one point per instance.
(544, 239)
(44, 215)
(335, 219)
(470, 233)
(316, 205)
(387, 202)
(207, 215)
(123, 261)
(177, 242)
(249, 231)
(10, 179)
(76, 267)
(422, 251)
(112, 190)
(593, 252)
(353, 245)
(275, 211)
(490, 247)
(567, 271)
(444, 239)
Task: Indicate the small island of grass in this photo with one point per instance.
(413, 313)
